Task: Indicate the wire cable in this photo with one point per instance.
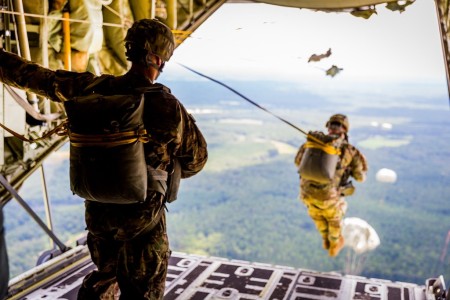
(245, 98)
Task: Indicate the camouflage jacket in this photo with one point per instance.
(352, 163)
(173, 129)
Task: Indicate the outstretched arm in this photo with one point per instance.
(55, 85)
(20, 73)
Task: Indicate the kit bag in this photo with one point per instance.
(107, 161)
(320, 159)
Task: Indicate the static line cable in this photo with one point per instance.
(246, 98)
(324, 146)
(29, 108)
(59, 130)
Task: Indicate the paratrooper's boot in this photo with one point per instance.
(336, 247)
(326, 244)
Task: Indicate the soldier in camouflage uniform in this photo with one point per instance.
(325, 202)
(128, 242)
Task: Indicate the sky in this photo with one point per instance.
(254, 41)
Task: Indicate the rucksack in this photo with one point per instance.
(106, 132)
(320, 159)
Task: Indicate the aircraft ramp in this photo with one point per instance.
(192, 277)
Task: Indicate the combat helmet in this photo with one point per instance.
(149, 36)
(341, 119)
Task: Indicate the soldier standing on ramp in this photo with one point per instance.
(325, 162)
(128, 242)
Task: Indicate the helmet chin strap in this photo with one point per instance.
(150, 63)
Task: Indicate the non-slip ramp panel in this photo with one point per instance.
(192, 277)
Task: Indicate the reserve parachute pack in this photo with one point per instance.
(320, 159)
(106, 132)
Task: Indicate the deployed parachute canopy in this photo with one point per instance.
(386, 175)
(359, 235)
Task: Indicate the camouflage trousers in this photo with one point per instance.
(327, 215)
(129, 245)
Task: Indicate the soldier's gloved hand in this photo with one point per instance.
(348, 189)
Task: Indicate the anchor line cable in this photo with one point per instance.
(309, 136)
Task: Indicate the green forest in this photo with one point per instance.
(244, 205)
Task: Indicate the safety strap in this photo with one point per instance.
(327, 148)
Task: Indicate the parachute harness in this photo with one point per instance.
(108, 140)
(89, 140)
(325, 147)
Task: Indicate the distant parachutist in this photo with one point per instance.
(360, 238)
(386, 175)
(318, 57)
(333, 71)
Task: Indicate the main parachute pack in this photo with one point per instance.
(320, 158)
(107, 161)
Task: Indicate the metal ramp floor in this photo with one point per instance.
(193, 277)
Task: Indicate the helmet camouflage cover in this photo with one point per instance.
(341, 119)
(149, 35)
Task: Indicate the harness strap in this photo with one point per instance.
(108, 140)
(327, 148)
(154, 222)
(157, 180)
(156, 174)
